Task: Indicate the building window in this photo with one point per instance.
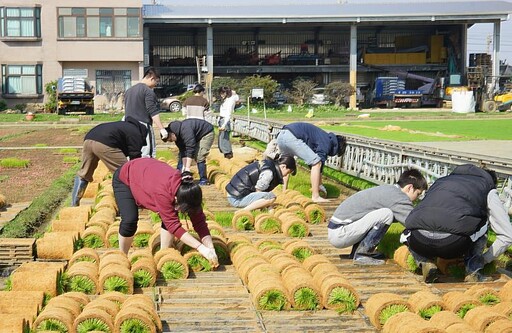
(113, 82)
(22, 79)
(20, 22)
(79, 22)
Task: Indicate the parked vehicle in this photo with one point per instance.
(319, 97)
(74, 95)
(170, 103)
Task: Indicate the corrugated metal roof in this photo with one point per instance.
(229, 11)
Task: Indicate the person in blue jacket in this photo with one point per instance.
(313, 145)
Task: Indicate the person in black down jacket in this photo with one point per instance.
(452, 222)
(250, 187)
(112, 143)
(313, 145)
(194, 138)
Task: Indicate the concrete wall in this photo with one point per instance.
(55, 53)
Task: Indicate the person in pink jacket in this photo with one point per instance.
(151, 184)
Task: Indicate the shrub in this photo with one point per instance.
(51, 101)
(337, 91)
(302, 91)
(3, 105)
(266, 83)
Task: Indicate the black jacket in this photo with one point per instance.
(322, 143)
(188, 134)
(244, 181)
(129, 136)
(455, 204)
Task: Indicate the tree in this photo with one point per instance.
(302, 91)
(266, 83)
(337, 91)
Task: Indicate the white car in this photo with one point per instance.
(319, 97)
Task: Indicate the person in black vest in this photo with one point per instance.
(112, 143)
(194, 138)
(250, 187)
(452, 222)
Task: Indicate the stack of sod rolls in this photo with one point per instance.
(486, 295)
(337, 292)
(480, 317)
(137, 314)
(300, 249)
(291, 224)
(262, 279)
(19, 308)
(82, 276)
(60, 314)
(243, 220)
(39, 276)
(505, 292)
(383, 306)
(171, 264)
(459, 302)
(267, 223)
(97, 315)
(143, 268)
(114, 272)
(67, 222)
(409, 322)
(57, 245)
(426, 304)
(404, 259)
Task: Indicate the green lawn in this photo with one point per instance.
(430, 130)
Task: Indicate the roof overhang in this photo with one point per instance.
(251, 12)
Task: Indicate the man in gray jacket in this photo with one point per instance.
(362, 219)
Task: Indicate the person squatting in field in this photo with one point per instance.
(250, 188)
(154, 185)
(361, 220)
(452, 222)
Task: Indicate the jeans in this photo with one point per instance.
(290, 145)
(249, 199)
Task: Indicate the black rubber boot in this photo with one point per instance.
(203, 178)
(364, 254)
(78, 191)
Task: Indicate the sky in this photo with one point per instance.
(479, 35)
(480, 39)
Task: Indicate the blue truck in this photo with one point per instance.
(390, 92)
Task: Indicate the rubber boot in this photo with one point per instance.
(203, 178)
(474, 266)
(78, 191)
(364, 254)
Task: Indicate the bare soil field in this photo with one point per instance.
(41, 147)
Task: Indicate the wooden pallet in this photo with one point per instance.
(15, 251)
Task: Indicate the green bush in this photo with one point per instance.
(51, 91)
(302, 91)
(266, 83)
(3, 105)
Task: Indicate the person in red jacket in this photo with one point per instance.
(154, 185)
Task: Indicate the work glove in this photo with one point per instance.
(164, 134)
(209, 254)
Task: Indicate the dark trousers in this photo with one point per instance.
(128, 209)
(451, 247)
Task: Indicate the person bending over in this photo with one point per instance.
(112, 143)
(154, 185)
(313, 145)
(194, 138)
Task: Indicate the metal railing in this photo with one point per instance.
(382, 161)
